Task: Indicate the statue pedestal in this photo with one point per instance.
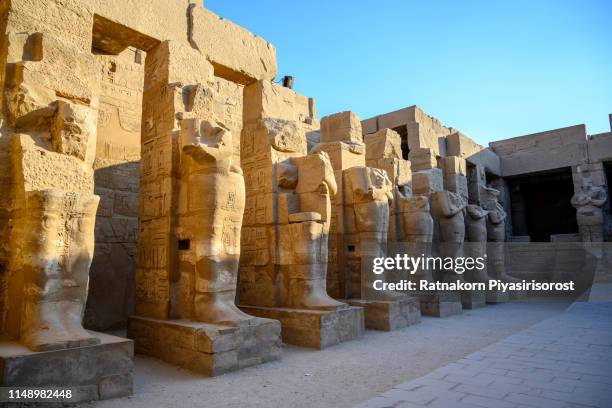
(442, 304)
(389, 315)
(208, 349)
(92, 373)
(518, 294)
(473, 299)
(314, 328)
(497, 296)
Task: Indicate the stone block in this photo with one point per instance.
(457, 184)
(342, 155)
(497, 296)
(95, 372)
(385, 143)
(341, 127)
(422, 159)
(427, 181)
(209, 349)
(454, 165)
(235, 53)
(458, 144)
(473, 299)
(265, 99)
(314, 328)
(389, 315)
(441, 304)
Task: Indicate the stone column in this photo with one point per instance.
(192, 204)
(362, 214)
(283, 270)
(47, 148)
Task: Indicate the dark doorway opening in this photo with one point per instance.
(540, 204)
(403, 132)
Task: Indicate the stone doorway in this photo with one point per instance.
(540, 205)
(120, 63)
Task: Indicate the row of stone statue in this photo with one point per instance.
(290, 244)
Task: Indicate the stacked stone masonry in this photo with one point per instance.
(154, 176)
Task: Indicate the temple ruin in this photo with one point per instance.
(156, 179)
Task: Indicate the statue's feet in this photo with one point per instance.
(223, 313)
(320, 301)
(58, 339)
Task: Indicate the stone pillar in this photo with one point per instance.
(47, 147)
(283, 269)
(427, 182)
(362, 214)
(192, 204)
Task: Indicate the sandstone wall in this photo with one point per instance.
(117, 168)
(549, 150)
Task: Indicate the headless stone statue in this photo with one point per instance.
(309, 216)
(449, 209)
(416, 228)
(588, 202)
(210, 220)
(57, 253)
(476, 237)
(371, 194)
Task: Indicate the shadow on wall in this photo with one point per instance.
(111, 276)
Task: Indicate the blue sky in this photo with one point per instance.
(493, 69)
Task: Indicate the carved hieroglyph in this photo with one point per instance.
(588, 202)
(52, 151)
(57, 251)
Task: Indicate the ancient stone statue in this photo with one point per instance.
(416, 226)
(496, 234)
(303, 283)
(210, 218)
(449, 209)
(588, 202)
(416, 221)
(57, 252)
(476, 239)
(496, 227)
(371, 195)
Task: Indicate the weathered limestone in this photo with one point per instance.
(361, 217)
(192, 200)
(286, 228)
(448, 211)
(49, 132)
(475, 247)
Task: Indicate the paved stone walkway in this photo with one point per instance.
(561, 362)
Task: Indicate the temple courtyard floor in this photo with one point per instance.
(541, 353)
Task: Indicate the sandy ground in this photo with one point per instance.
(340, 376)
